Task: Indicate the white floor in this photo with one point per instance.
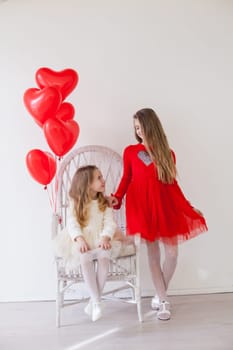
(200, 322)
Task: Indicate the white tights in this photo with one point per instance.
(95, 279)
(161, 276)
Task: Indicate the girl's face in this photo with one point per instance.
(98, 183)
(138, 128)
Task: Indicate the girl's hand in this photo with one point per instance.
(105, 243)
(112, 201)
(198, 211)
(82, 244)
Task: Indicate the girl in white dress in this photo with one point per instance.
(91, 226)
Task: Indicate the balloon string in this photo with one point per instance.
(49, 196)
(55, 188)
(52, 196)
(52, 188)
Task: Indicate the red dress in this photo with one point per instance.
(154, 209)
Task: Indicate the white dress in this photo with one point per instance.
(101, 223)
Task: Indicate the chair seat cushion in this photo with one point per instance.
(127, 249)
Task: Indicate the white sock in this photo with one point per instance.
(170, 262)
(89, 275)
(153, 251)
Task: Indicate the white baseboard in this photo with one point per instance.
(75, 293)
(150, 292)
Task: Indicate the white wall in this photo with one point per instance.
(175, 56)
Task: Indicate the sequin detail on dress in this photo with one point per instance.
(144, 157)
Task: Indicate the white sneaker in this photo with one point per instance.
(96, 311)
(155, 303)
(88, 309)
(164, 313)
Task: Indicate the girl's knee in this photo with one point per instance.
(171, 251)
(104, 254)
(152, 245)
(85, 258)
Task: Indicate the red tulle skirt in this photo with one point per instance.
(162, 213)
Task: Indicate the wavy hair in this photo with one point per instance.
(156, 143)
(81, 195)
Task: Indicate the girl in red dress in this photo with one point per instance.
(155, 205)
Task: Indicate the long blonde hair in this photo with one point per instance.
(156, 144)
(81, 195)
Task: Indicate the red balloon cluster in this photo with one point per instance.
(47, 107)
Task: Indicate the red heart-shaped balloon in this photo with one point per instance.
(61, 136)
(65, 112)
(42, 104)
(41, 165)
(65, 80)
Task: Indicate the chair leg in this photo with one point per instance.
(139, 307)
(59, 302)
(138, 278)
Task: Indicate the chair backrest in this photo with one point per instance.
(110, 164)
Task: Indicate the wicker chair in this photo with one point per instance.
(124, 269)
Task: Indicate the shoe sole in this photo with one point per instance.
(164, 317)
(97, 317)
